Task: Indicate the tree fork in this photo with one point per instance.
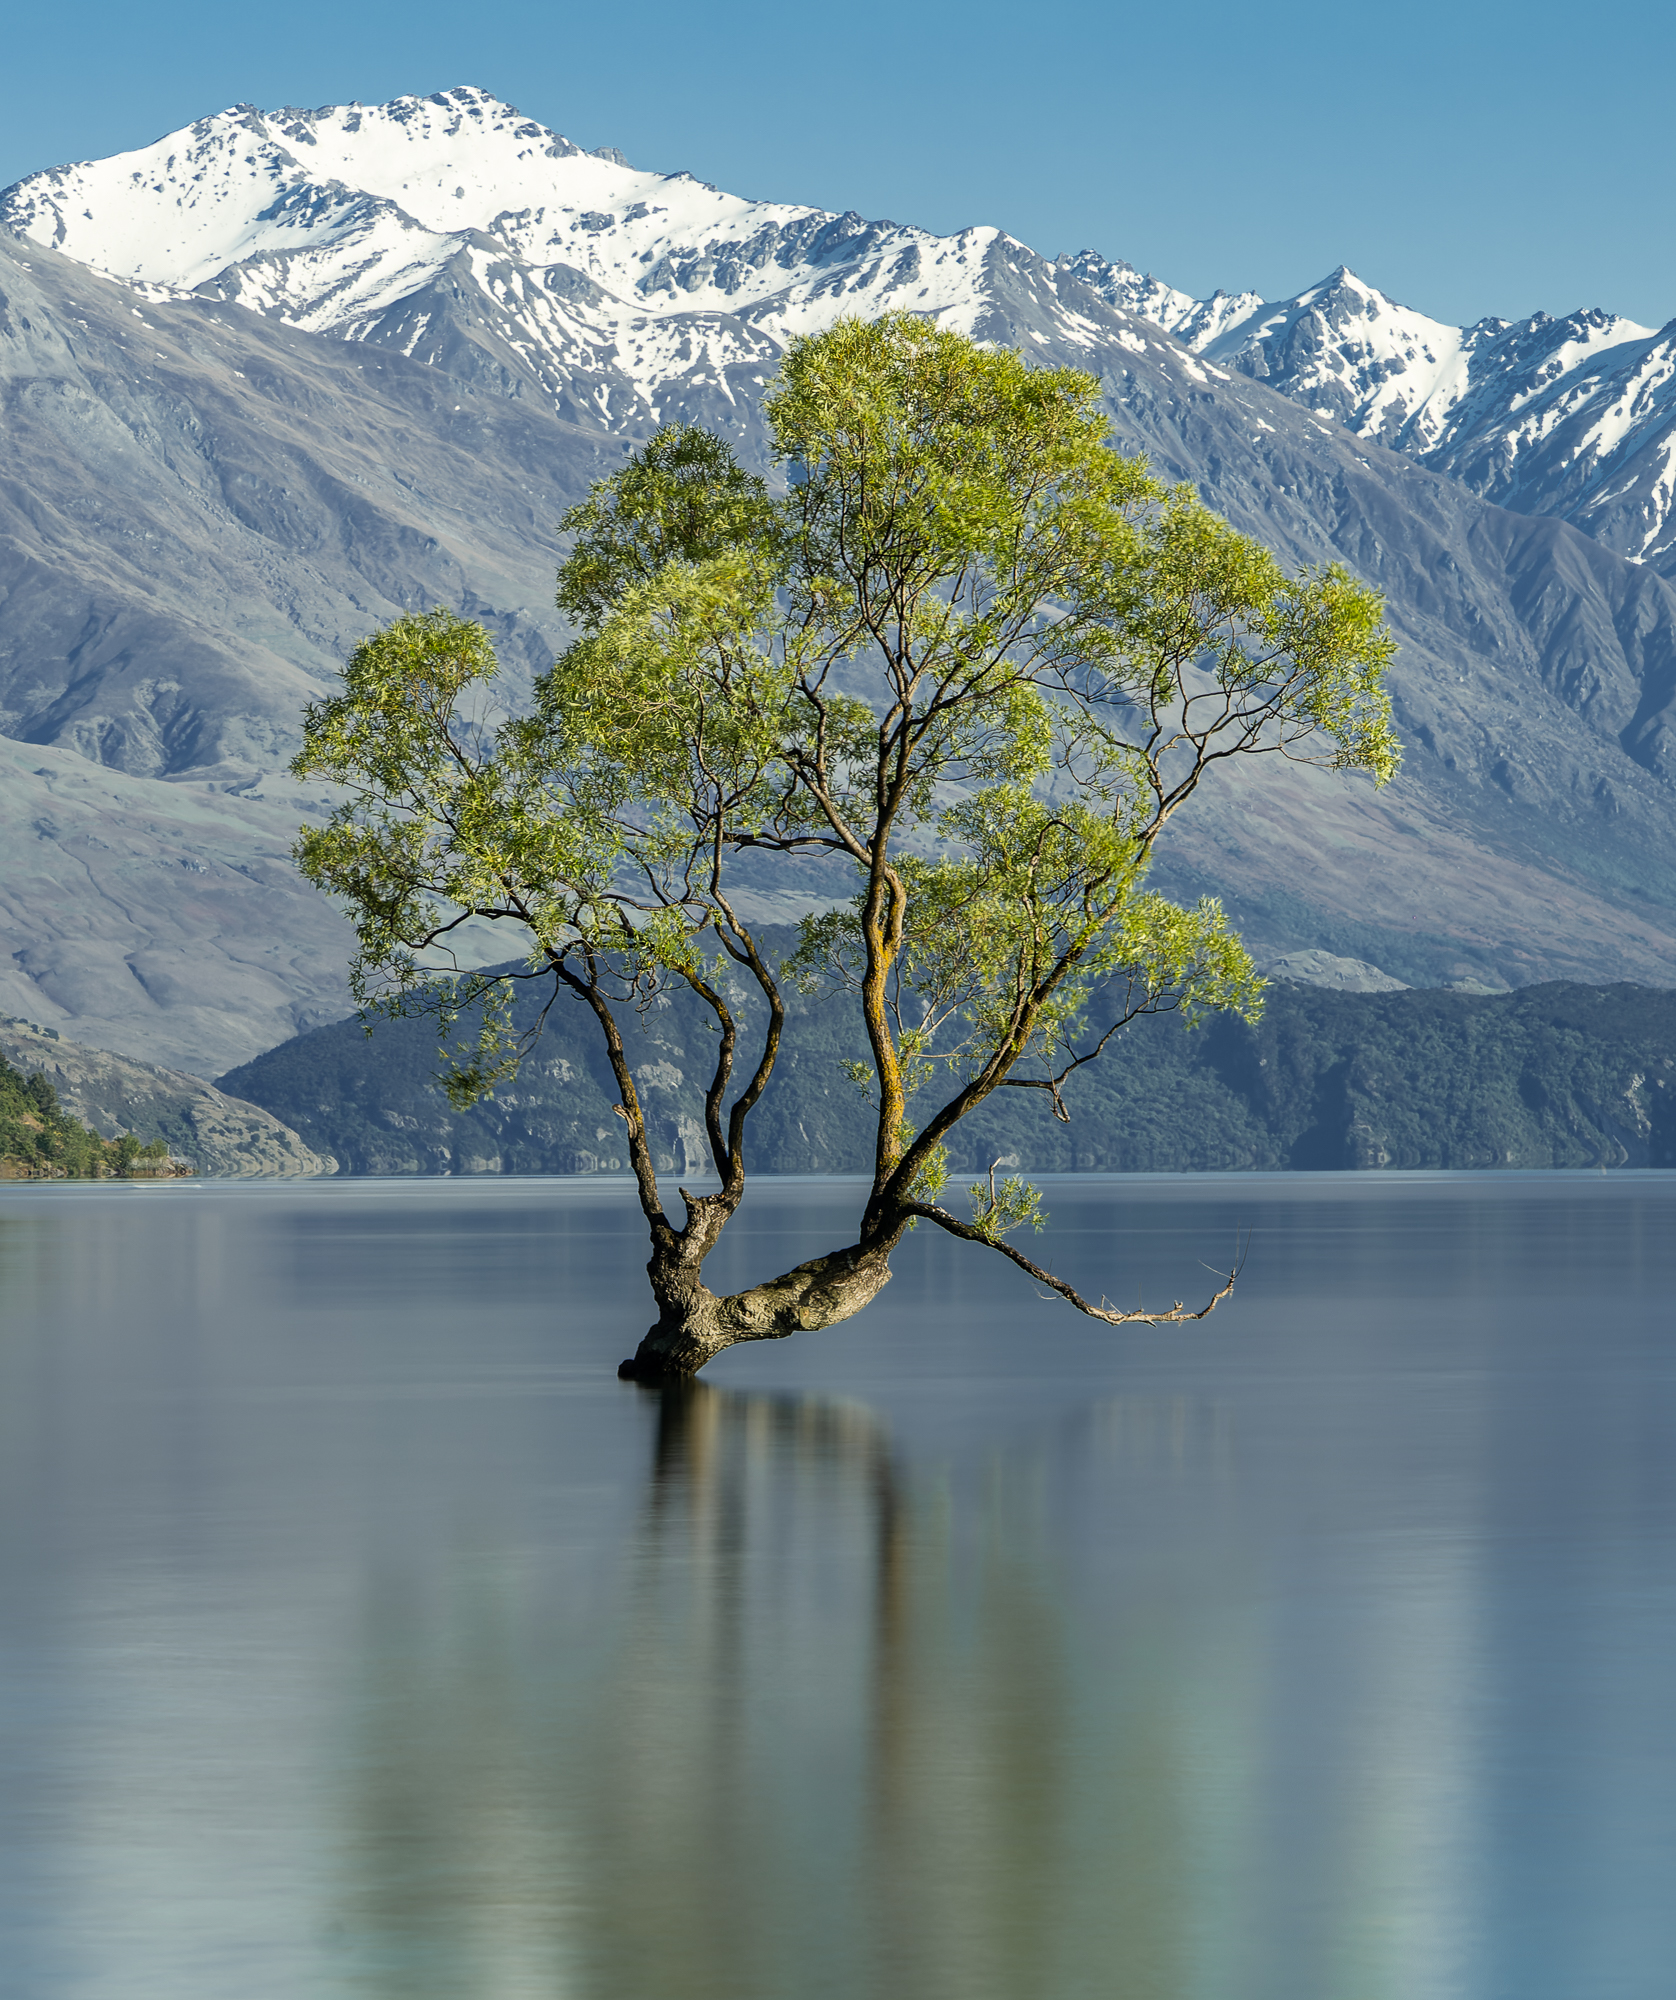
(695, 1324)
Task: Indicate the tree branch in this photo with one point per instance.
(1052, 1083)
(640, 1153)
(1176, 1315)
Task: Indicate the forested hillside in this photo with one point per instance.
(1561, 1075)
(38, 1140)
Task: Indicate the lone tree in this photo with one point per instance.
(973, 653)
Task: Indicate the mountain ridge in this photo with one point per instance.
(1554, 1075)
(203, 507)
(1574, 417)
(373, 224)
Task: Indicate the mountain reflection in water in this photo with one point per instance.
(367, 1638)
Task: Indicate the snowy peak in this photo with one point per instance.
(1194, 322)
(241, 182)
(471, 237)
(403, 183)
(434, 171)
(328, 218)
(468, 236)
(1348, 351)
(1570, 416)
(375, 223)
(1391, 373)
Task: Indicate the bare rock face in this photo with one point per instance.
(214, 1133)
(1325, 968)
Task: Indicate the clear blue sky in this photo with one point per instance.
(1466, 158)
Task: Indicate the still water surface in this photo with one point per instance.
(363, 1636)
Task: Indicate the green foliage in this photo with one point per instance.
(39, 1139)
(1025, 896)
(682, 499)
(972, 653)
(997, 1211)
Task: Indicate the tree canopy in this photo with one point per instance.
(970, 656)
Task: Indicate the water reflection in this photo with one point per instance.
(365, 1637)
(681, 1809)
(848, 1732)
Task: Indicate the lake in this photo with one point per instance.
(364, 1636)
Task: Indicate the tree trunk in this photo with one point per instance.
(694, 1323)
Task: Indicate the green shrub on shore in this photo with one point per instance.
(40, 1141)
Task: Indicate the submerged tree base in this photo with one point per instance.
(696, 1324)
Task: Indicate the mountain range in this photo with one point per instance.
(1573, 417)
(282, 375)
(474, 239)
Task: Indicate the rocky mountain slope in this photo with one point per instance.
(201, 512)
(214, 491)
(286, 375)
(215, 1133)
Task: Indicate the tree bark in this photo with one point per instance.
(695, 1324)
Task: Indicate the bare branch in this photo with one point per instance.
(640, 1153)
(1052, 1083)
(1175, 1315)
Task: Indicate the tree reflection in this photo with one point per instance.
(826, 1738)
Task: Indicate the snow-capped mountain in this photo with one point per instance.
(1194, 322)
(1574, 417)
(1387, 372)
(468, 236)
(465, 234)
(1583, 430)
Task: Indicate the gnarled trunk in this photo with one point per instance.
(695, 1324)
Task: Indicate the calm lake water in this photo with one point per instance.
(363, 1636)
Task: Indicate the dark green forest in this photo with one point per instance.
(1560, 1075)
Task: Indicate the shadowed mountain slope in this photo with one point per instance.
(1553, 1076)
